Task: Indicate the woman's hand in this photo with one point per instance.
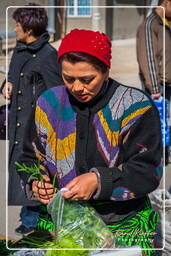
(43, 191)
(7, 90)
(156, 95)
(81, 187)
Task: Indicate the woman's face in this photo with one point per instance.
(82, 79)
(20, 34)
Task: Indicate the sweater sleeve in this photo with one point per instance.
(139, 170)
(36, 157)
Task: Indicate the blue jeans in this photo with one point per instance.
(29, 216)
(168, 97)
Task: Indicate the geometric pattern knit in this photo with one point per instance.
(56, 127)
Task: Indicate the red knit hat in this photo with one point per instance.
(94, 43)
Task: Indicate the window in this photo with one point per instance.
(81, 8)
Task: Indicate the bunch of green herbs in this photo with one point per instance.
(3, 249)
(42, 243)
(34, 171)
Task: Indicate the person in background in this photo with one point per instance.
(96, 139)
(33, 69)
(151, 55)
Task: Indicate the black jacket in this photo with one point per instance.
(111, 134)
(33, 69)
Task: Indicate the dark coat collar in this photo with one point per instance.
(34, 46)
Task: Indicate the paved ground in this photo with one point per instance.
(125, 70)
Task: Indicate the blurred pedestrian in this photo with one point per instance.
(154, 63)
(33, 69)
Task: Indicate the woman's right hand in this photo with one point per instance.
(156, 95)
(43, 191)
(7, 90)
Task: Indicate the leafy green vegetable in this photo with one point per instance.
(3, 249)
(67, 242)
(34, 172)
(79, 221)
(42, 243)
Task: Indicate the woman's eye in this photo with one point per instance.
(70, 80)
(85, 81)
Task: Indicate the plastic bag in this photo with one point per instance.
(29, 253)
(162, 106)
(157, 200)
(78, 220)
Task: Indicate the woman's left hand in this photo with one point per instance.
(43, 191)
(82, 187)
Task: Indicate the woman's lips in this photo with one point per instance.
(82, 96)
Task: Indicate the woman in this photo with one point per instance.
(33, 69)
(97, 136)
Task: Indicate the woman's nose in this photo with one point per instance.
(78, 86)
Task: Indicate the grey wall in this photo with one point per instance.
(125, 21)
(122, 21)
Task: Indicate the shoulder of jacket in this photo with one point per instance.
(147, 25)
(50, 48)
(126, 97)
(53, 92)
(152, 21)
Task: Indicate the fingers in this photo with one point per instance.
(82, 187)
(43, 200)
(7, 90)
(72, 189)
(38, 185)
(156, 95)
(76, 195)
(43, 191)
(6, 94)
(46, 178)
(69, 194)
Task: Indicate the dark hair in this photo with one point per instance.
(160, 2)
(75, 57)
(32, 18)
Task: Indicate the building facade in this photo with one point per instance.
(119, 19)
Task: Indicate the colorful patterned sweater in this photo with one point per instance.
(118, 133)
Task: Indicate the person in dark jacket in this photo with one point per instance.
(33, 69)
(98, 140)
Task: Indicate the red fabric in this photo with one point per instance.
(94, 43)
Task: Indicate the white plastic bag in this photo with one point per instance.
(78, 220)
(157, 199)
